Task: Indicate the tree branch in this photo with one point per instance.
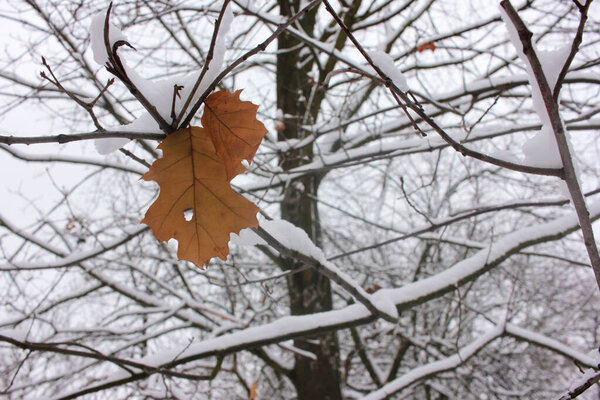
(261, 47)
(551, 106)
(74, 137)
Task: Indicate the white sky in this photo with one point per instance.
(20, 180)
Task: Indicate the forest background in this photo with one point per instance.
(419, 222)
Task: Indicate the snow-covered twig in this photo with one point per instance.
(588, 382)
(205, 68)
(427, 370)
(551, 344)
(257, 49)
(116, 67)
(317, 260)
(404, 298)
(551, 115)
(417, 109)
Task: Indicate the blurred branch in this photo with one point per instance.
(417, 109)
(434, 368)
(87, 106)
(405, 297)
(45, 158)
(590, 381)
(330, 271)
(261, 47)
(129, 365)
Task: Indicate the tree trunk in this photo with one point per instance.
(309, 292)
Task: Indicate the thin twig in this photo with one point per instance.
(176, 89)
(205, 68)
(66, 138)
(465, 151)
(129, 154)
(147, 370)
(361, 296)
(104, 89)
(115, 67)
(261, 47)
(325, 82)
(552, 111)
(583, 11)
(88, 107)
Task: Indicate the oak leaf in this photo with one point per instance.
(195, 179)
(254, 391)
(427, 46)
(233, 128)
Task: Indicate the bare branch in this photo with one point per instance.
(74, 137)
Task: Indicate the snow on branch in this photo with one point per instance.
(74, 258)
(293, 242)
(543, 81)
(551, 344)
(404, 298)
(446, 364)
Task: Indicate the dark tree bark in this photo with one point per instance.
(309, 292)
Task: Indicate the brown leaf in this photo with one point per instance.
(233, 128)
(192, 176)
(254, 391)
(280, 127)
(426, 46)
(372, 289)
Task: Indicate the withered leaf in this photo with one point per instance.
(426, 46)
(233, 128)
(193, 178)
(254, 391)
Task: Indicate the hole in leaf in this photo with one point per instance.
(188, 214)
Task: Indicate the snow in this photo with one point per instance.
(158, 92)
(581, 380)
(108, 145)
(296, 326)
(145, 123)
(541, 150)
(297, 240)
(293, 238)
(289, 345)
(286, 326)
(246, 237)
(445, 364)
(374, 149)
(386, 64)
(384, 303)
(552, 62)
(554, 345)
(484, 259)
(97, 37)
